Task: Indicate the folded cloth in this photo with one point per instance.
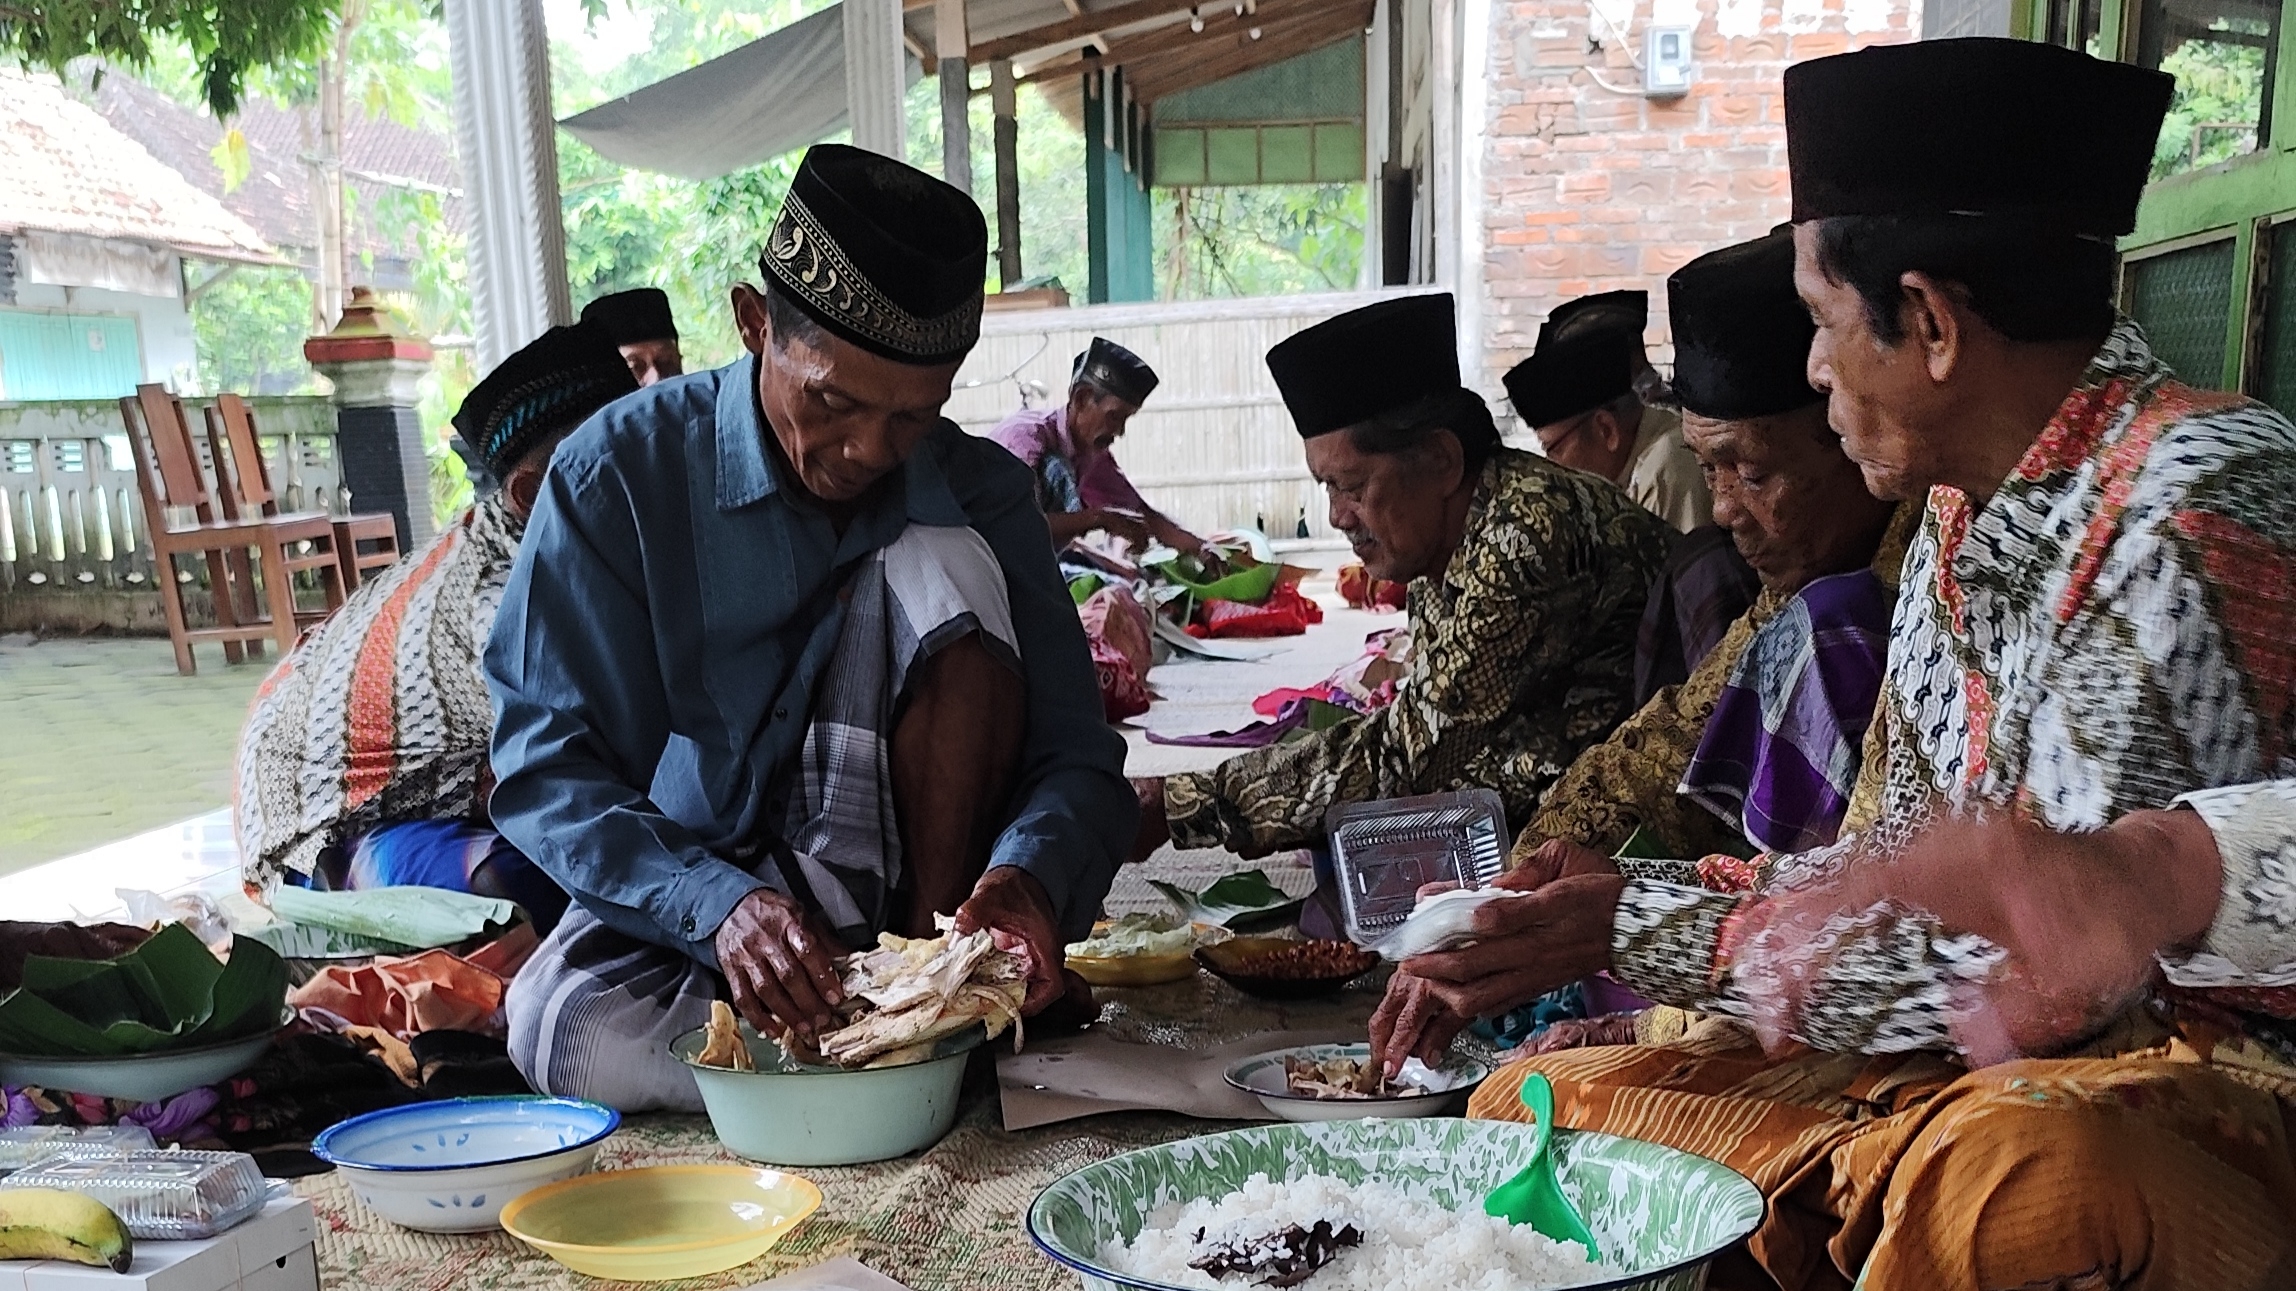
(1361, 591)
(1117, 629)
(405, 996)
(1284, 613)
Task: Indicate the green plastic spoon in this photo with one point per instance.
(1532, 1196)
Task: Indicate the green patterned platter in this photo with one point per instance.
(1659, 1215)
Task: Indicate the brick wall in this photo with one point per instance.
(1586, 189)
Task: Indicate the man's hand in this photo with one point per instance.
(1011, 904)
(1412, 1022)
(2081, 915)
(1121, 524)
(1524, 947)
(779, 967)
(1155, 827)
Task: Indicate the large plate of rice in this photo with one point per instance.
(1414, 1187)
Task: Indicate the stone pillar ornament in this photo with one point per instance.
(376, 366)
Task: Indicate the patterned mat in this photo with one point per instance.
(950, 1217)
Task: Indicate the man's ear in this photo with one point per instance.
(750, 318)
(525, 484)
(1937, 318)
(1447, 460)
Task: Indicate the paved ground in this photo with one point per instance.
(100, 739)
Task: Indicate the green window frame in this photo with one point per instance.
(2244, 201)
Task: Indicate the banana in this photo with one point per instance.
(51, 1224)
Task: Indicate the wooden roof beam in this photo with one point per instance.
(1078, 29)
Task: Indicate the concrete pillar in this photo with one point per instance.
(875, 84)
(950, 49)
(376, 367)
(1004, 104)
(508, 146)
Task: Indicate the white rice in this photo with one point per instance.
(1408, 1244)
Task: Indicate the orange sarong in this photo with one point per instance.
(2139, 1172)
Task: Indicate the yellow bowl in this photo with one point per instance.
(1134, 970)
(1144, 970)
(660, 1222)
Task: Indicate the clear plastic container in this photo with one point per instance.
(26, 1144)
(160, 1196)
(1385, 851)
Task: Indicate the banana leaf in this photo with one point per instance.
(407, 916)
(169, 993)
(1246, 897)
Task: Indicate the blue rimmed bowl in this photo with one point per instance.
(451, 1166)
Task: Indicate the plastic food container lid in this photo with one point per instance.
(159, 1195)
(1385, 851)
(26, 1144)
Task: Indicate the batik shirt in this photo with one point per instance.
(380, 716)
(1525, 655)
(2112, 631)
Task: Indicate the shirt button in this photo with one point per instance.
(781, 714)
(688, 925)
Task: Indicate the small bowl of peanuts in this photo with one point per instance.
(1281, 968)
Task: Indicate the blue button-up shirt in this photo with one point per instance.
(666, 626)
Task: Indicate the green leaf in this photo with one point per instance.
(1234, 896)
(231, 157)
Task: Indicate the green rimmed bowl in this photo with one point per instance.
(1661, 1216)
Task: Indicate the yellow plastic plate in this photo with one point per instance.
(661, 1222)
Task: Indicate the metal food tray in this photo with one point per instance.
(1385, 851)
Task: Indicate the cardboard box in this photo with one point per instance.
(275, 1251)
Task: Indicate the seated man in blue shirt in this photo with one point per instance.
(785, 662)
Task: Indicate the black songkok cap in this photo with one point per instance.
(881, 254)
(628, 317)
(1975, 126)
(1399, 356)
(1564, 378)
(1608, 311)
(1112, 369)
(1741, 335)
(555, 382)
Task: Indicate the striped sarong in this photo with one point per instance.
(593, 1013)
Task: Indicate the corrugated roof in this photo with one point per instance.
(70, 171)
(275, 197)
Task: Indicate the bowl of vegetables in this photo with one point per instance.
(1142, 950)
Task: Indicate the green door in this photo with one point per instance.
(68, 356)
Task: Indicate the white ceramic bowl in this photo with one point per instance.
(451, 1166)
(783, 1114)
(1438, 1089)
(143, 1078)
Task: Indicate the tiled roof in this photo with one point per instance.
(69, 171)
(276, 195)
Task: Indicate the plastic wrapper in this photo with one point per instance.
(160, 1196)
(27, 1144)
(1384, 852)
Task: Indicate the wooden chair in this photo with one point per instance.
(168, 475)
(231, 421)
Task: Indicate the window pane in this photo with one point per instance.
(2275, 380)
(2222, 53)
(2074, 23)
(2183, 300)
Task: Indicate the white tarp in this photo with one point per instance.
(71, 260)
(779, 92)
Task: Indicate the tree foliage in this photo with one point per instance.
(227, 41)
